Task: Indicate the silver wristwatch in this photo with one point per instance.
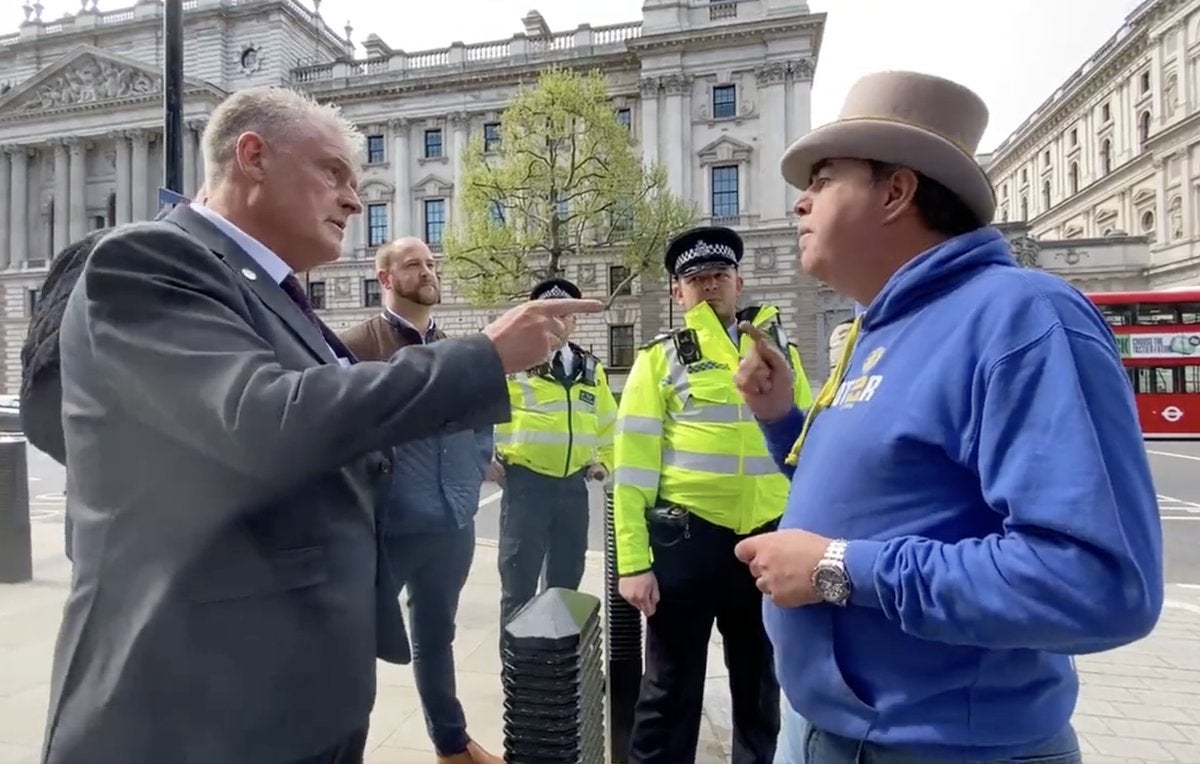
(829, 578)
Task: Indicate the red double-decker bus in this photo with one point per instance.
(1158, 336)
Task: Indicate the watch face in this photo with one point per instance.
(831, 584)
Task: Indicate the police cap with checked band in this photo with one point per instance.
(555, 288)
(703, 249)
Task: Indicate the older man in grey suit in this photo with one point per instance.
(223, 458)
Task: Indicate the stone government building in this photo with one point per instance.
(1101, 184)
(1105, 174)
(713, 90)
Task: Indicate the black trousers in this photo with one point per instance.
(349, 751)
(701, 581)
(543, 521)
(433, 569)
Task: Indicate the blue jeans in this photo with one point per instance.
(820, 747)
(433, 568)
(792, 727)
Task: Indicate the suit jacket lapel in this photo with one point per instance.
(241, 263)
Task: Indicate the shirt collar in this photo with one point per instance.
(270, 262)
(432, 324)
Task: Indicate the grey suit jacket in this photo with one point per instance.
(222, 471)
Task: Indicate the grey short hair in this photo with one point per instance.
(274, 113)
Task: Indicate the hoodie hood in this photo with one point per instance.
(935, 271)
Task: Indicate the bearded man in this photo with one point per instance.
(429, 511)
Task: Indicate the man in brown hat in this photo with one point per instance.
(971, 501)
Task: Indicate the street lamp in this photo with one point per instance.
(173, 97)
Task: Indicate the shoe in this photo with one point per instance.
(473, 755)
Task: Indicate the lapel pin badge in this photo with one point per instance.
(249, 274)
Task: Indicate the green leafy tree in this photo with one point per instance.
(564, 182)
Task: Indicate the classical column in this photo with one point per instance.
(122, 190)
(201, 124)
(356, 234)
(773, 191)
(62, 196)
(649, 87)
(1183, 91)
(401, 180)
(139, 174)
(78, 222)
(1161, 213)
(4, 204)
(190, 183)
(675, 85)
(1189, 200)
(459, 124)
(18, 219)
(800, 121)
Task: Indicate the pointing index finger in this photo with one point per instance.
(568, 306)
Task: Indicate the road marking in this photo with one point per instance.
(1182, 606)
(1187, 586)
(1177, 456)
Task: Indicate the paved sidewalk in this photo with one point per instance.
(1140, 704)
(30, 613)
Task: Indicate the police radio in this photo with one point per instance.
(687, 346)
(779, 337)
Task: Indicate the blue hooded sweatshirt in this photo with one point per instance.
(984, 460)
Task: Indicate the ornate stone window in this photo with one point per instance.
(433, 196)
(726, 177)
(377, 197)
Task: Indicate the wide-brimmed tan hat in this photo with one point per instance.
(926, 123)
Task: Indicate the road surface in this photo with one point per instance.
(1175, 465)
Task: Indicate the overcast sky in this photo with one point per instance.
(1012, 52)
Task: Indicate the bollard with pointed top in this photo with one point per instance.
(553, 682)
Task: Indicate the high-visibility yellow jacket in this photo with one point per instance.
(559, 428)
(685, 436)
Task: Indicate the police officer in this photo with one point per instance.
(560, 436)
(693, 477)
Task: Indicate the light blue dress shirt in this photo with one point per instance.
(270, 262)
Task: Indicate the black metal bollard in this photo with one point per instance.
(623, 647)
(553, 687)
(16, 545)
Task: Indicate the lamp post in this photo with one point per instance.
(173, 96)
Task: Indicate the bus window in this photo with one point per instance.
(1153, 314)
(1191, 379)
(1158, 380)
(1117, 315)
(1189, 312)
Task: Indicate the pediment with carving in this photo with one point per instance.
(1104, 215)
(432, 186)
(86, 78)
(725, 149)
(1143, 196)
(375, 190)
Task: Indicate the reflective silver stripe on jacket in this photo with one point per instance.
(693, 413)
(721, 464)
(525, 385)
(640, 425)
(529, 397)
(639, 477)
